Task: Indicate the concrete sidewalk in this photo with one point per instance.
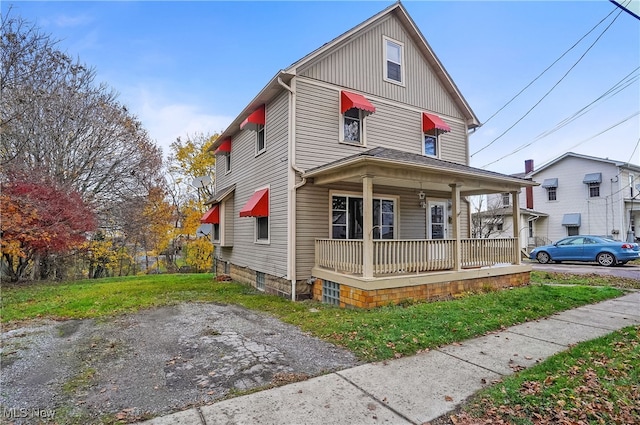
(420, 388)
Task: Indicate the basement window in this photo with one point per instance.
(330, 292)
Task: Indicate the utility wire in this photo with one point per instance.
(549, 67)
(615, 89)
(551, 89)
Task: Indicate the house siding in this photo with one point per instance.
(250, 172)
(392, 125)
(359, 64)
(599, 216)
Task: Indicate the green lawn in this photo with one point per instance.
(374, 334)
(595, 382)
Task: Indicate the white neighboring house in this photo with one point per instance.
(578, 195)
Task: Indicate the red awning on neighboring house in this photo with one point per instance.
(350, 100)
(256, 118)
(257, 205)
(212, 216)
(430, 121)
(225, 147)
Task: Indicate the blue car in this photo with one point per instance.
(607, 252)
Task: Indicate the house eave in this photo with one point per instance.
(270, 91)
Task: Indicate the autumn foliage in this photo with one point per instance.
(39, 217)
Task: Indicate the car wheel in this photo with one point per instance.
(605, 259)
(543, 257)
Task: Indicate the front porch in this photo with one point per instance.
(414, 269)
(379, 201)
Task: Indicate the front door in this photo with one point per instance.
(437, 218)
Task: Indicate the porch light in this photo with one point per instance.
(421, 195)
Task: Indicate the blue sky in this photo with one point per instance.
(187, 67)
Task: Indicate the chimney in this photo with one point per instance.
(528, 168)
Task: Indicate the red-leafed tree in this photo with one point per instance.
(39, 218)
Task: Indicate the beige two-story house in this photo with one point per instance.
(346, 178)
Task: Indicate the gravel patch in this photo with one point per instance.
(152, 363)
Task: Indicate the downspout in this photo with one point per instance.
(293, 187)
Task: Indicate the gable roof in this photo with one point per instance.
(587, 157)
(275, 85)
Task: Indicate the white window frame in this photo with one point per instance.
(593, 186)
(348, 194)
(266, 241)
(227, 163)
(431, 133)
(385, 43)
(551, 190)
(261, 130)
(363, 132)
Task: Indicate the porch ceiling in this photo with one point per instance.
(390, 167)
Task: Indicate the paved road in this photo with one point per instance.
(627, 271)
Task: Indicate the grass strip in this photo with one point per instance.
(594, 382)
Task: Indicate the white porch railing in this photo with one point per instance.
(412, 256)
(487, 252)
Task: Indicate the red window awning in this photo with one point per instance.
(256, 118)
(430, 121)
(225, 147)
(257, 205)
(212, 216)
(350, 100)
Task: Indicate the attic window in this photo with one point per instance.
(394, 57)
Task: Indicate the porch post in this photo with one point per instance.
(455, 225)
(367, 226)
(516, 225)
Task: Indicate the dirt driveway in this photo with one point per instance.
(151, 363)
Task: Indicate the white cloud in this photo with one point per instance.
(166, 121)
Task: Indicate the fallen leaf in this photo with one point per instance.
(448, 398)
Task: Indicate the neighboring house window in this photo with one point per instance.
(431, 143)
(347, 219)
(394, 57)
(573, 230)
(530, 228)
(594, 190)
(551, 194)
(505, 199)
(631, 182)
(353, 126)
(260, 142)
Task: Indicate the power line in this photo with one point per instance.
(548, 68)
(615, 89)
(552, 88)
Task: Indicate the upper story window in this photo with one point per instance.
(430, 146)
(505, 199)
(394, 61)
(631, 183)
(593, 181)
(353, 126)
(432, 126)
(224, 149)
(260, 142)
(256, 122)
(552, 186)
(227, 163)
(354, 108)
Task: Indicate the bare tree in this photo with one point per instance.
(55, 118)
